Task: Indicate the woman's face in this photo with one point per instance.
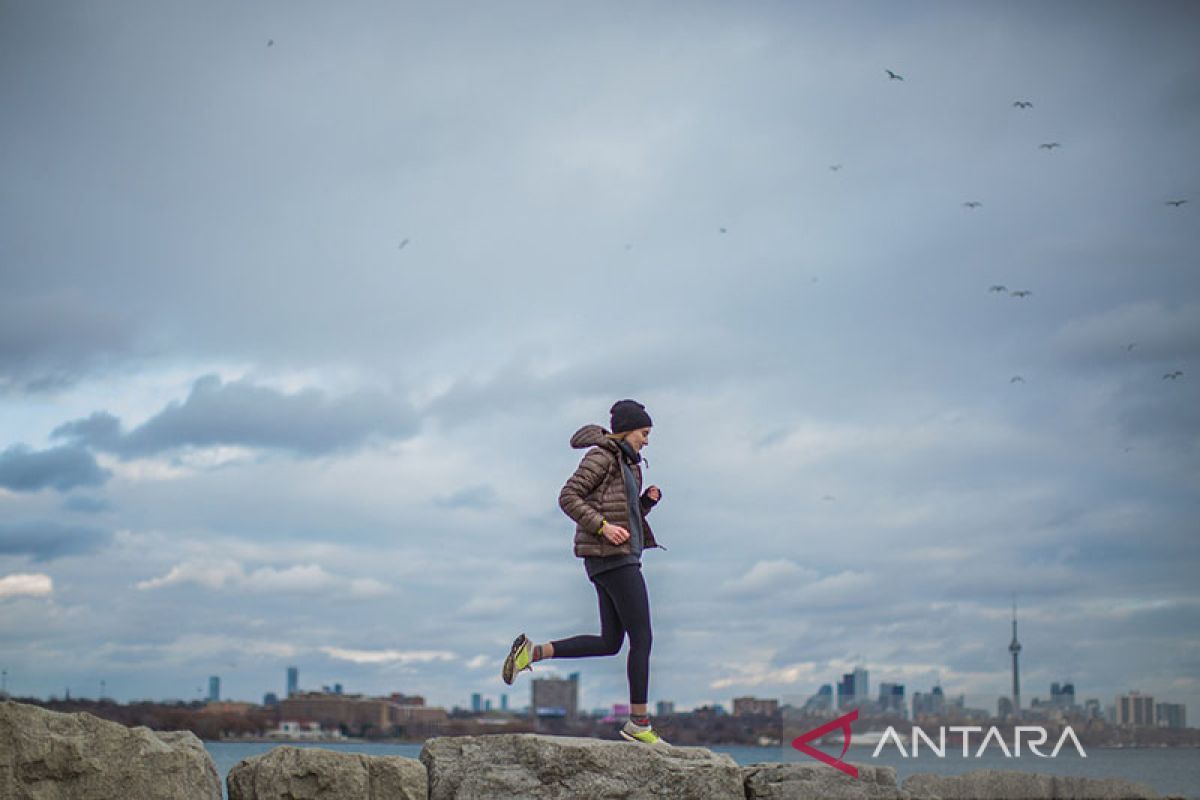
(638, 438)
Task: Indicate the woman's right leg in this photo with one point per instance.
(608, 643)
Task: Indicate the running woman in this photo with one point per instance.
(605, 499)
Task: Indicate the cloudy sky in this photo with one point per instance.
(300, 304)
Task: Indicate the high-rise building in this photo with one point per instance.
(504, 702)
(555, 697)
(821, 701)
(487, 704)
(214, 689)
(933, 702)
(270, 699)
(665, 708)
(293, 681)
(1170, 715)
(1062, 695)
(1135, 708)
(891, 698)
(477, 702)
(862, 689)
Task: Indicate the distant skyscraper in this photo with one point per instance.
(214, 689)
(1135, 708)
(293, 681)
(554, 697)
(1015, 648)
(861, 690)
(270, 699)
(487, 704)
(504, 702)
(1170, 715)
(477, 702)
(665, 708)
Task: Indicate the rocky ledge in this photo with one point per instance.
(45, 755)
(49, 756)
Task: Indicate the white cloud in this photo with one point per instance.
(387, 656)
(229, 574)
(771, 574)
(29, 585)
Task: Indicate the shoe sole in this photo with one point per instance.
(506, 674)
(659, 743)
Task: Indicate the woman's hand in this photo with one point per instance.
(655, 493)
(615, 534)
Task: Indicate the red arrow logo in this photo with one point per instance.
(843, 722)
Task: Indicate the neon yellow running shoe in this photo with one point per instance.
(646, 735)
(520, 658)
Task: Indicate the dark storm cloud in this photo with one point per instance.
(49, 341)
(241, 413)
(62, 468)
(45, 541)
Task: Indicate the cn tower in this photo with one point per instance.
(1015, 649)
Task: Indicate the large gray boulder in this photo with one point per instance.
(994, 784)
(45, 755)
(310, 773)
(819, 782)
(536, 766)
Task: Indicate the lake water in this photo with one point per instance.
(1170, 771)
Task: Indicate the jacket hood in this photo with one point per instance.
(592, 436)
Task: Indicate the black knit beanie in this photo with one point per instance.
(629, 415)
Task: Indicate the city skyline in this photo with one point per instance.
(293, 340)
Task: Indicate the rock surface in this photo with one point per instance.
(45, 755)
(536, 766)
(309, 773)
(818, 782)
(992, 784)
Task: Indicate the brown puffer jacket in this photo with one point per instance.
(596, 493)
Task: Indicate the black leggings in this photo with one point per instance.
(624, 606)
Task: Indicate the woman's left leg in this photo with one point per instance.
(627, 588)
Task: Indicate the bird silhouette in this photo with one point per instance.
(835, 167)
(998, 288)
(1021, 293)
(1049, 146)
(1176, 203)
(1022, 104)
(972, 204)
(1016, 379)
(893, 76)
(1130, 346)
(1173, 375)
(270, 42)
(829, 497)
(723, 230)
(403, 245)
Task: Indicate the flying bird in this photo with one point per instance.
(1021, 293)
(1130, 346)
(894, 76)
(998, 288)
(1173, 375)
(723, 230)
(1022, 104)
(1176, 203)
(1016, 379)
(403, 245)
(972, 204)
(835, 167)
(829, 497)
(1049, 146)
(270, 42)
